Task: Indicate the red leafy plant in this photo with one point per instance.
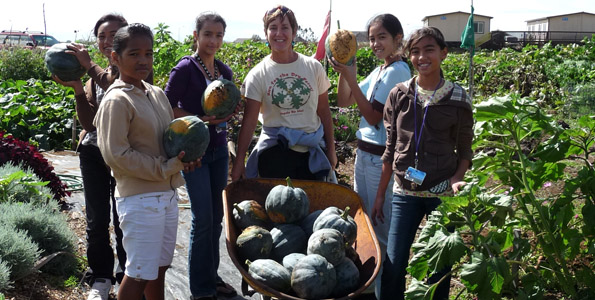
(21, 152)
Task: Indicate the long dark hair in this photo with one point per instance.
(394, 28)
(108, 18)
(209, 16)
(389, 22)
(126, 33)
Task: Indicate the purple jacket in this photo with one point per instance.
(185, 88)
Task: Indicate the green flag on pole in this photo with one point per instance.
(468, 35)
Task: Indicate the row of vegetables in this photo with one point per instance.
(293, 251)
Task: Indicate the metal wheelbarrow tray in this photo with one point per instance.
(321, 196)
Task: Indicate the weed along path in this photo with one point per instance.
(176, 285)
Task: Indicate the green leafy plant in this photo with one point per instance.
(15, 151)
(512, 238)
(167, 51)
(40, 111)
(22, 64)
(71, 282)
(346, 122)
(18, 185)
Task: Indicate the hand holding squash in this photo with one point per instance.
(191, 165)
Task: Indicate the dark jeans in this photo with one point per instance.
(281, 162)
(407, 213)
(205, 186)
(99, 188)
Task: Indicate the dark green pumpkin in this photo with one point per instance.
(254, 243)
(65, 66)
(290, 260)
(287, 239)
(313, 277)
(249, 213)
(307, 223)
(329, 243)
(220, 98)
(189, 134)
(286, 204)
(271, 274)
(347, 278)
(333, 217)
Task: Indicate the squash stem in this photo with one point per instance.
(289, 184)
(345, 213)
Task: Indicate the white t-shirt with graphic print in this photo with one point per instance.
(288, 92)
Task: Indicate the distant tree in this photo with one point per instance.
(256, 38)
(305, 35)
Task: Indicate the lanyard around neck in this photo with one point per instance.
(378, 79)
(416, 136)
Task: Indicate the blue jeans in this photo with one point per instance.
(408, 211)
(368, 168)
(205, 186)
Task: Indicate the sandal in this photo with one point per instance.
(224, 289)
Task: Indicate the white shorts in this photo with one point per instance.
(149, 223)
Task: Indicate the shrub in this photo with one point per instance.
(19, 152)
(22, 64)
(18, 251)
(19, 184)
(4, 276)
(40, 111)
(47, 227)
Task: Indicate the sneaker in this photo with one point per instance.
(100, 289)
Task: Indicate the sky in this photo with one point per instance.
(244, 18)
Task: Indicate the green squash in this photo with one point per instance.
(333, 217)
(287, 239)
(313, 277)
(342, 45)
(220, 98)
(65, 66)
(347, 278)
(249, 213)
(290, 260)
(189, 134)
(254, 243)
(286, 204)
(307, 223)
(271, 274)
(329, 243)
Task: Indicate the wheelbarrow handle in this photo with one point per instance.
(245, 290)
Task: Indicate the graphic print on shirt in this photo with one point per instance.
(290, 92)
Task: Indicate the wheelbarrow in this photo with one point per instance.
(321, 196)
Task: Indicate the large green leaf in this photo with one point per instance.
(444, 249)
(419, 290)
(486, 276)
(495, 108)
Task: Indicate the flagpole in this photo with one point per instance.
(471, 48)
(330, 12)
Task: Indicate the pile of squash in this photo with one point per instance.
(294, 251)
